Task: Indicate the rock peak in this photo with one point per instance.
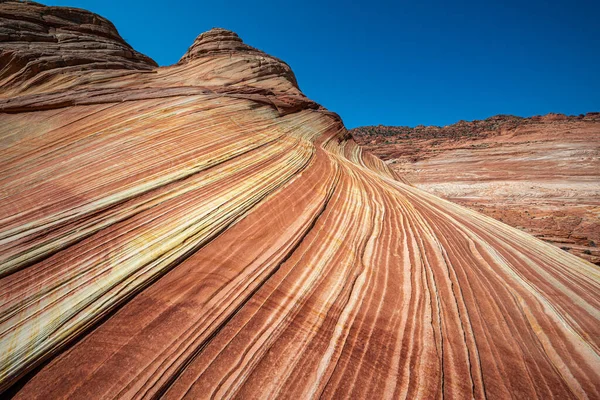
(218, 35)
(223, 41)
(219, 31)
(217, 40)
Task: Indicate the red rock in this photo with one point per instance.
(539, 174)
(39, 43)
(205, 230)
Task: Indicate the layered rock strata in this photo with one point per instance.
(539, 174)
(206, 231)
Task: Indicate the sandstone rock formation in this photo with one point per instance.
(206, 231)
(39, 43)
(540, 174)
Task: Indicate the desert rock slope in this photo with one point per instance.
(204, 230)
(539, 174)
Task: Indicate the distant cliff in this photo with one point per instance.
(496, 125)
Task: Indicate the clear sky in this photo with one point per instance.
(397, 62)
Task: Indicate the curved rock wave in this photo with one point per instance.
(205, 230)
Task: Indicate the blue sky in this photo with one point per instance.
(397, 63)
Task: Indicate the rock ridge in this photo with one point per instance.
(56, 57)
(38, 42)
(489, 126)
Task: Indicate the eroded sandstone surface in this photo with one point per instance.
(204, 230)
(539, 174)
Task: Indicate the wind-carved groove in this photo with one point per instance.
(152, 228)
(164, 388)
(101, 211)
(362, 268)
